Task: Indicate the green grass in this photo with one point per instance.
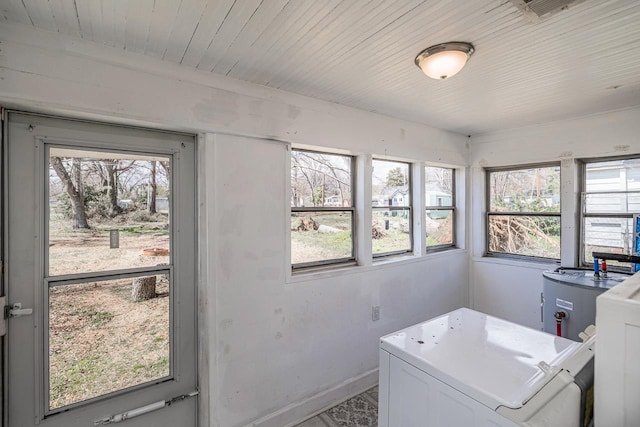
(395, 240)
(155, 369)
(324, 245)
(99, 318)
(143, 230)
(95, 318)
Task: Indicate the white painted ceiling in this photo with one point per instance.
(360, 53)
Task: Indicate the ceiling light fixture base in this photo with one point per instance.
(444, 60)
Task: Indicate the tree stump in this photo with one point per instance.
(377, 230)
(143, 288)
(307, 224)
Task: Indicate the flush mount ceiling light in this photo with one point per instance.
(444, 60)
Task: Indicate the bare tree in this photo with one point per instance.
(444, 179)
(153, 187)
(315, 175)
(74, 190)
(109, 171)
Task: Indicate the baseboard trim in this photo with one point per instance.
(297, 412)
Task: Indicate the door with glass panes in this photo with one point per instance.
(100, 256)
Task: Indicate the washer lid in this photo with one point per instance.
(489, 359)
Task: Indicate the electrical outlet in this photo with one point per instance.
(375, 313)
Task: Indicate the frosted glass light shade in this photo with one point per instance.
(445, 60)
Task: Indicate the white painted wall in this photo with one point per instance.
(273, 348)
(510, 289)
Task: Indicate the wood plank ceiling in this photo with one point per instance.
(360, 53)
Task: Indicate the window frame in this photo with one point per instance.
(409, 207)
(452, 208)
(333, 262)
(583, 215)
(488, 213)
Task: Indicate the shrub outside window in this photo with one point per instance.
(439, 199)
(523, 211)
(322, 212)
(611, 195)
(391, 208)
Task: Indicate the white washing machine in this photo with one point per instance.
(617, 397)
(468, 369)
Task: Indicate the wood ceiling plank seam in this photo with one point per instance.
(281, 17)
(84, 20)
(337, 35)
(517, 38)
(310, 41)
(240, 48)
(209, 25)
(270, 36)
(229, 29)
(483, 51)
(41, 14)
(414, 28)
(66, 17)
(309, 18)
(280, 47)
(577, 24)
(307, 45)
(392, 60)
(540, 44)
(184, 28)
(525, 97)
(119, 24)
(598, 50)
(138, 22)
(521, 34)
(346, 42)
(97, 22)
(390, 43)
(191, 38)
(15, 10)
(163, 18)
(108, 23)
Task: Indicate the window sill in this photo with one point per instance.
(397, 261)
(536, 264)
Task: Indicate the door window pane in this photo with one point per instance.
(611, 199)
(107, 211)
(525, 190)
(322, 209)
(609, 235)
(391, 208)
(320, 235)
(391, 231)
(524, 211)
(390, 184)
(102, 339)
(534, 236)
(439, 199)
(439, 227)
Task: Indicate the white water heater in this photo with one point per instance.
(573, 293)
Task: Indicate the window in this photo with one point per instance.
(322, 212)
(391, 204)
(439, 200)
(611, 195)
(523, 211)
(118, 210)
